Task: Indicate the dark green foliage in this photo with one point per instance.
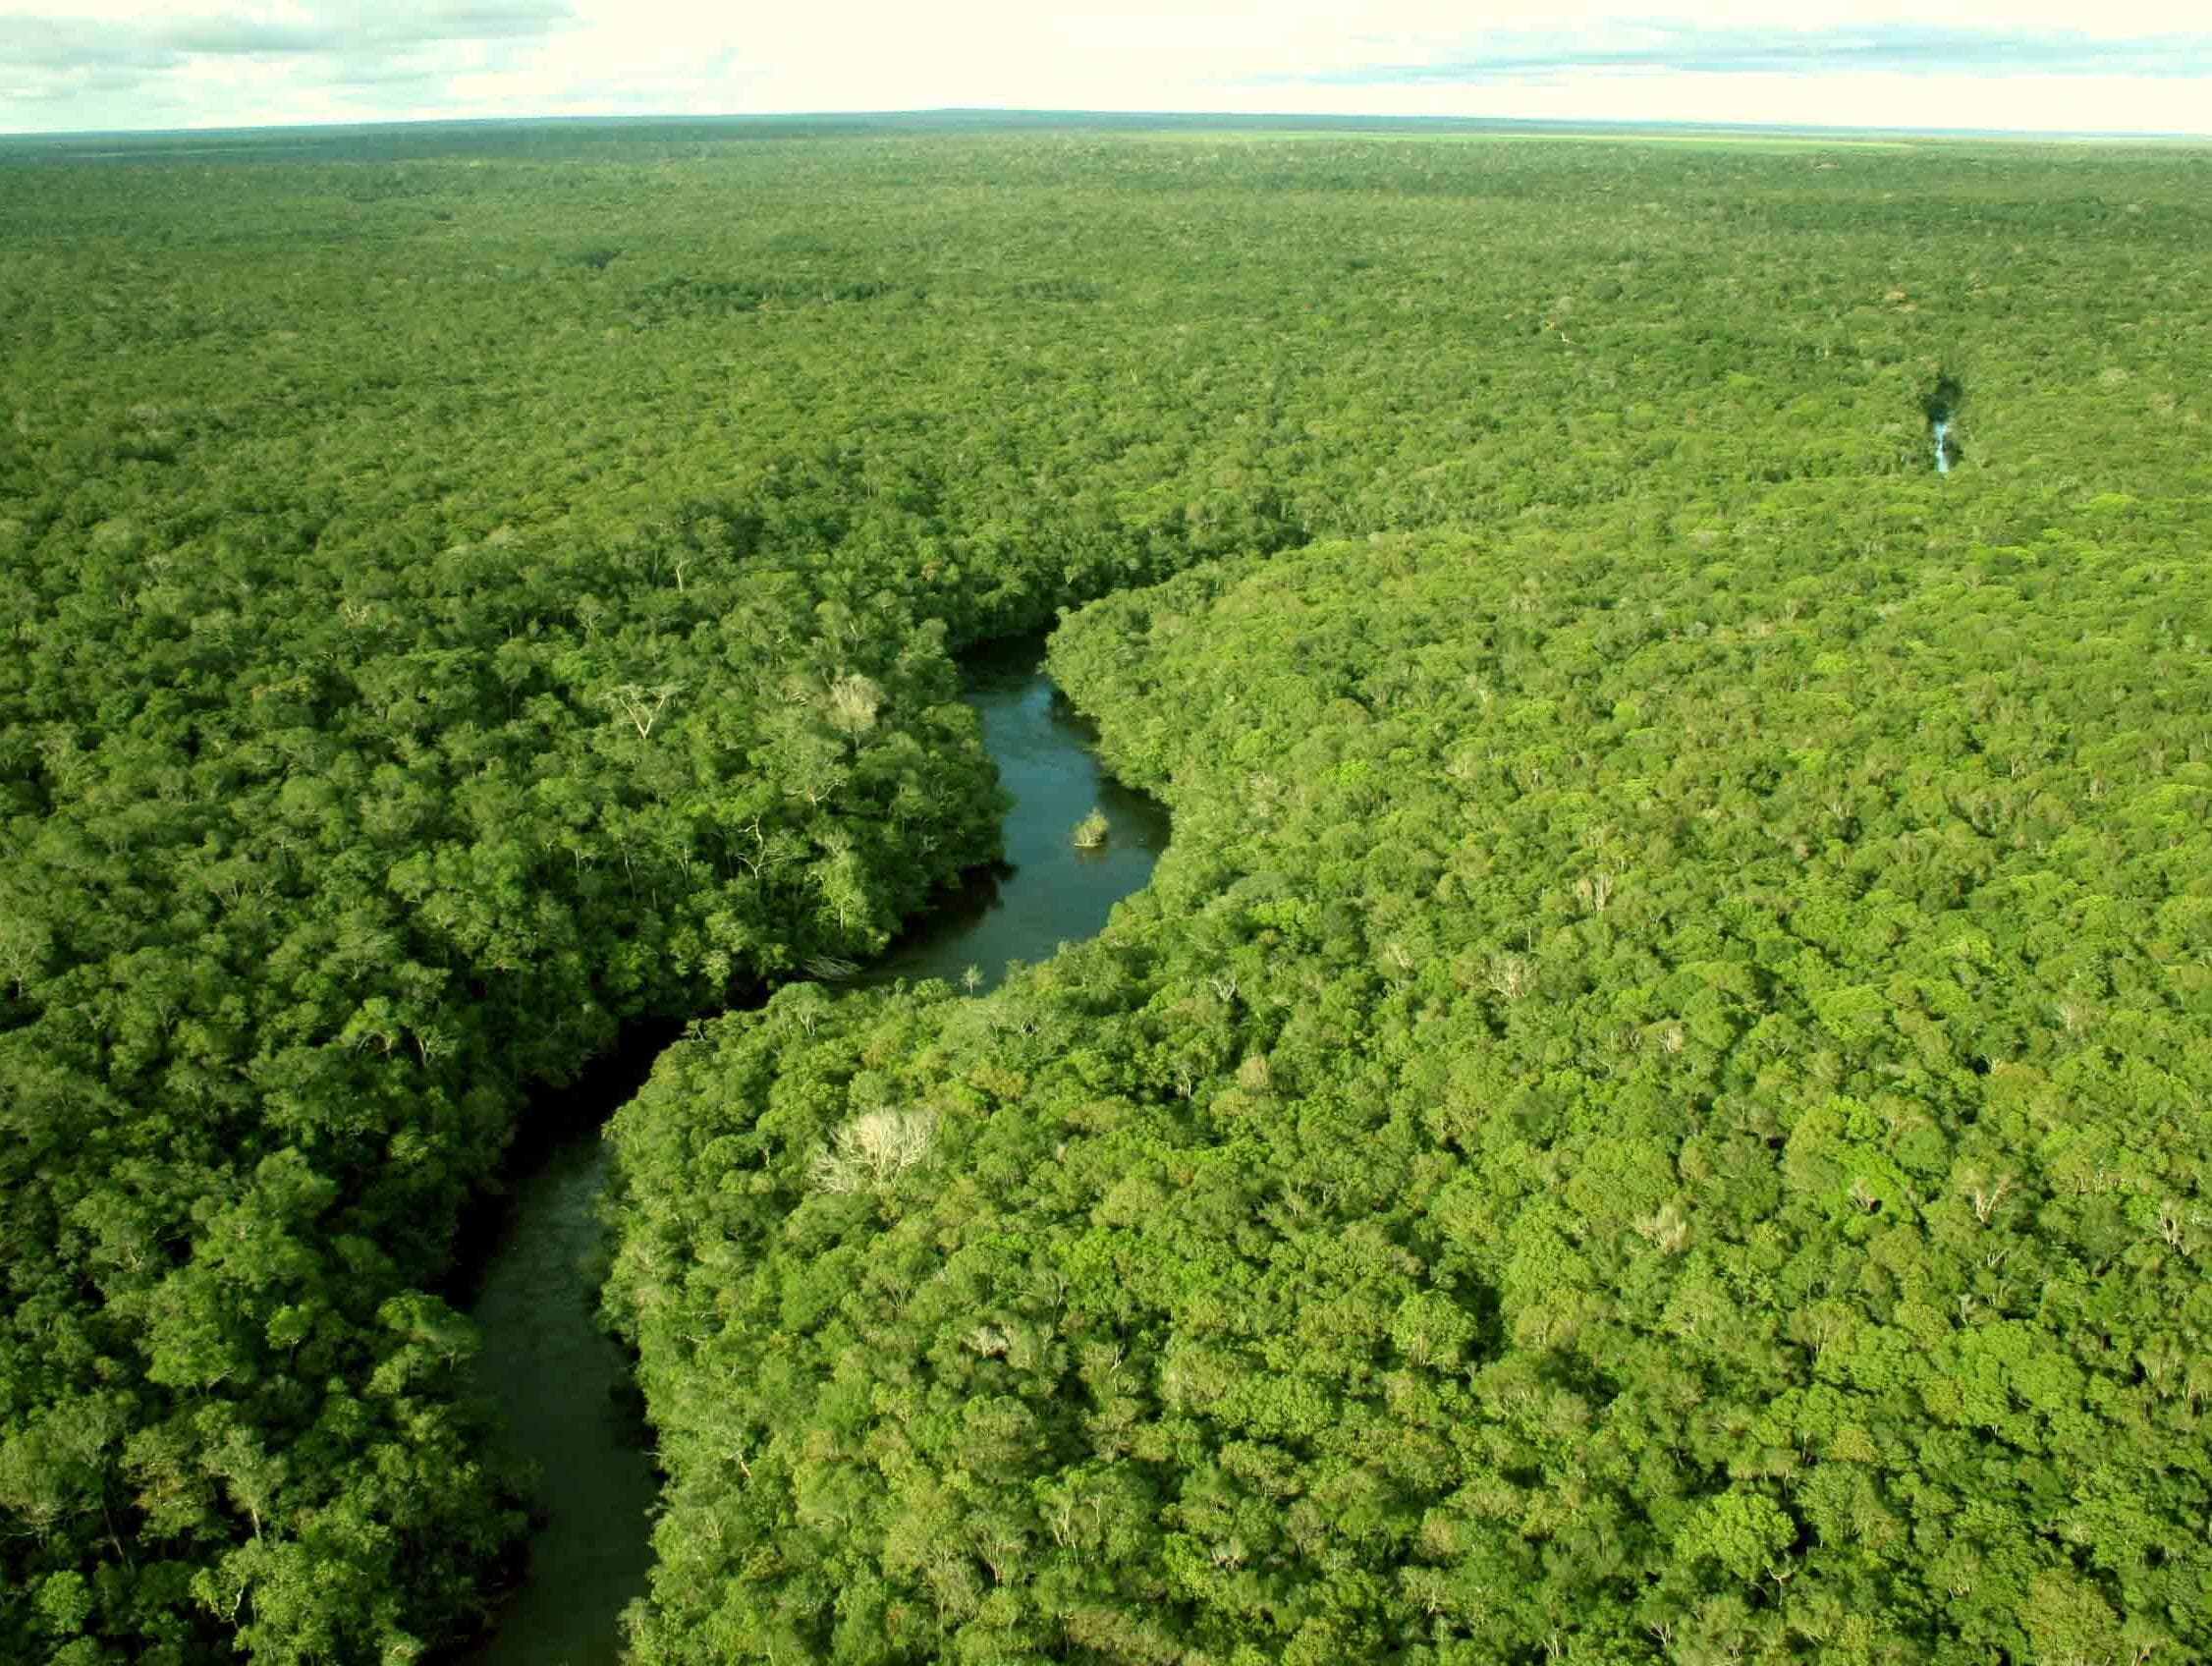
(1942, 400)
(1653, 1110)
(1656, 1105)
(291, 936)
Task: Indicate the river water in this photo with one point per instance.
(1047, 892)
(563, 1384)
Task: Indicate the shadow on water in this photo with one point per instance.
(563, 1385)
(1941, 402)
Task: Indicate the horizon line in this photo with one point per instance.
(1245, 119)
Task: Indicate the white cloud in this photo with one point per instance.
(2035, 64)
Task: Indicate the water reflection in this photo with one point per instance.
(563, 1384)
(1048, 891)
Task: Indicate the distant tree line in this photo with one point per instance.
(455, 602)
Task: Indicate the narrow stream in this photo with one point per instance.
(562, 1383)
(1940, 405)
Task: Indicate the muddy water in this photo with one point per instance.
(563, 1384)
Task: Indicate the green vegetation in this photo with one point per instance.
(1650, 1103)
(1655, 1109)
(1624, 135)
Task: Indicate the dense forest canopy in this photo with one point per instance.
(1656, 1108)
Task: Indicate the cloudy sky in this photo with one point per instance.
(2040, 65)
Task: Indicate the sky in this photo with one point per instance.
(2025, 65)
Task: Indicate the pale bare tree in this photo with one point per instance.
(853, 701)
(642, 705)
(869, 1152)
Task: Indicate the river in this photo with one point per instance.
(562, 1383)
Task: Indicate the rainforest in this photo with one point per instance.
(1655, 1106)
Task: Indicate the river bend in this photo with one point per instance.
(563, 1384)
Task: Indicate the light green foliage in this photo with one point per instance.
(1747, 1532)
(1450, 1259)
(1675, 1007)
(1648, 1113)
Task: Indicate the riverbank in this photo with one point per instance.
(565, 1386)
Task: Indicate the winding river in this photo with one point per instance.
(562, 1383)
